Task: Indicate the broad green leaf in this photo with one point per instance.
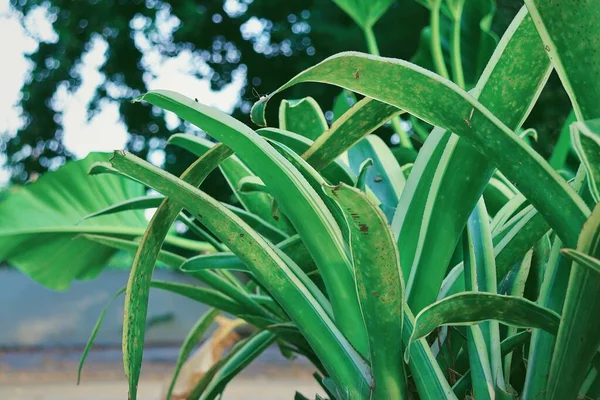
(362, 119)
(364, 12)
(92, 339)
(241, 356)
(577, 340)
(303, 117)
(379, 284)
(39, 230)
(470, 308)
(341, 361)
(335, 172)
(191, 340)
(385, 178)
(481, 372)
(296, 198)
(585, 137)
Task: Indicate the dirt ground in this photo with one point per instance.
(54, 378)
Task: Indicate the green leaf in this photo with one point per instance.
(136, 203)
(250, 184)
(341, 361)
(364, 12)
(573, 50)
(303, 117)
(362, 174)
(582, 259)
(585, 137)
(298, 201)
(577, 340)
(171, 259)
(234, 171)
(335, 172)
(239, 359)
(380, 286)
(359, 121)
(191, 340)
(92, 339)
(39, 230)
(385, 178)
(470, 308)
(138, 286)
(559, 155)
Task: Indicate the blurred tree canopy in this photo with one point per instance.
(294, 35)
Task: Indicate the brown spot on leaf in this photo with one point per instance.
(357, 74)
(364, 228)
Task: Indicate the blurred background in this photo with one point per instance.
(69, 71)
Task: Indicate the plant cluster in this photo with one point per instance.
(472, 272)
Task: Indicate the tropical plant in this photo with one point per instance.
(473, 272)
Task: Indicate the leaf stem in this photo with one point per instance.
(436, 43)
(457, 67)
(374, 50)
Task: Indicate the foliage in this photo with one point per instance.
(484, 260)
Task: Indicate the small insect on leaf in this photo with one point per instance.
(357, 74)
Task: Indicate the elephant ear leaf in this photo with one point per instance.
(364, 12)
(46, 242)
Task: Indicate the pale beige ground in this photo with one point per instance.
(105, 381)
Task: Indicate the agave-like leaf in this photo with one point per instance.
(337, 355)
(577, 342)
(582, 259)
(303, 117)
(385, 178)
(470, 308)
(241, 356)
(92, 338)
(380, 286)
(191, 340)
(296, 198)
(334, 172)
(459, 112)
(585, 137)
(234, 171)
(359, 121)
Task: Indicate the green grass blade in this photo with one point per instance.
(577, 340)
(582, 259)
(480, 276)
(191, 340)
(298, 201)
(342, 362)
(303, 117)
(586, 141)
(136, 203)
(359, 121)
(481, 372)
(380, 285)
(94, 333)
(241, 356)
